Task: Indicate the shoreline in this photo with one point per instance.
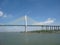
(37, 31)
(43, 31)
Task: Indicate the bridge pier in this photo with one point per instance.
(42, 27)
(47, 27)
(50, 27)
(54, 27)
(58, 27)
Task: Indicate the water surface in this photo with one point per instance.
(14, 38)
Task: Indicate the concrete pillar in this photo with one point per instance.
(50, 27)
(46, 27)
(58, 27)
(54, 27)
(42, 27)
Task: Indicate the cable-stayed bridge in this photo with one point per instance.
(29, 22)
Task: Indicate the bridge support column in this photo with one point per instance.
(42, 27)
(25, 23)
(54, 28)
(58, 27)
(46, 27)
(50, 27)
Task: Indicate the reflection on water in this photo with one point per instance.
(12, 38)
(26, 38)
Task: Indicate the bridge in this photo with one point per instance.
(25, 18)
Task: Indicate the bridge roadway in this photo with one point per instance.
(34, 25)
(47, 27)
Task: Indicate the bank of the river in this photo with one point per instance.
(44, 31)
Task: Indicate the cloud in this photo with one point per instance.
(48, 21)
(4, 15)
(1, 13)
(7, 15)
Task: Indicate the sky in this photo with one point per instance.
(42, 11)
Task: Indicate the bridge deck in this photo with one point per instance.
(32, 25)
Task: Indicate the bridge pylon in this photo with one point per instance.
(25, 23)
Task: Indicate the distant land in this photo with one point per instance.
(43, 31)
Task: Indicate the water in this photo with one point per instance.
(12, 38)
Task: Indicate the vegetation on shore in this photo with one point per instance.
(44, 31)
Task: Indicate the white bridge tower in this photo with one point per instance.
(25, 23)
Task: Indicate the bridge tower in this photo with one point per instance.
(25, 23)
